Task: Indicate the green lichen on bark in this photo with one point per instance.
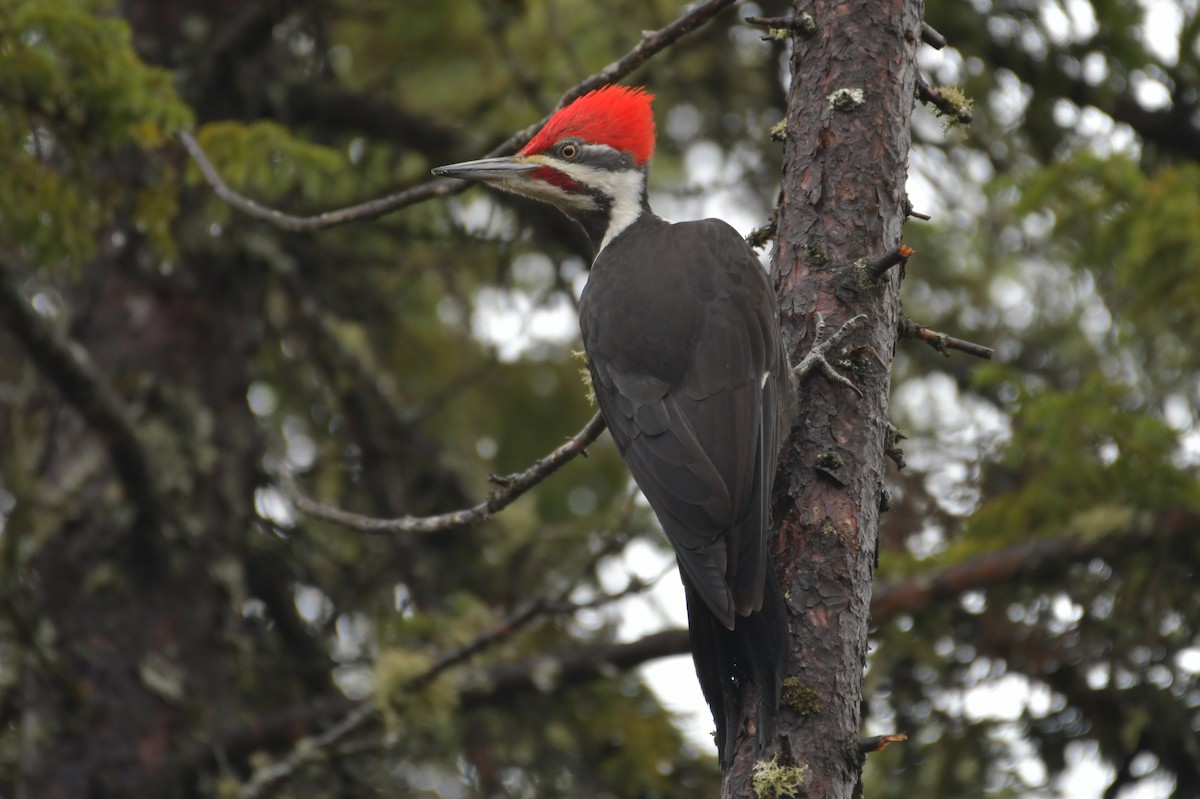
(800, 698)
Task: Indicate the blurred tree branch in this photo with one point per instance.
(511, 488)
(1171, 129)
(550, 602)
(502, 682)
(651, 44)
(69, 368)
(1035, 557)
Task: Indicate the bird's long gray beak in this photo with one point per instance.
(487, 169)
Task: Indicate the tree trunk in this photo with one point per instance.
(842, 200)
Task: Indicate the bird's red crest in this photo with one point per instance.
(618, 116)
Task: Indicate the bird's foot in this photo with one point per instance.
(823, 342)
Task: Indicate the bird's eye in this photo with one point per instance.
(568, 151)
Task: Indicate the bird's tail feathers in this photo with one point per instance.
(728, 661)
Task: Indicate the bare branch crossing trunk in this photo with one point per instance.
(843, 199)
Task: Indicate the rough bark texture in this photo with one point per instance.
(842, 200)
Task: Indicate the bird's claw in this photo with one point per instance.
(823, 342)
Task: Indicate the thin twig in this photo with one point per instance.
(504, 630)
(650, 45)
(306, 751)
(941, 342)
(897, 255)
(300, 224)
(512, 487)
(549, 603)
(67, 365)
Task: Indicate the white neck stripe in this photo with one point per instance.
(627, 203)
(624, 189)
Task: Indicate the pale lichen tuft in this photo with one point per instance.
(773, 780)
(845, 99)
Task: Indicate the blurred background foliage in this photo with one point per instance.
(395, 364)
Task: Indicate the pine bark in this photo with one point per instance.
(842, 199)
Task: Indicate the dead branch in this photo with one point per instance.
(898, 255)
(931, 37)
(957, 111)
(878, 743)
(941, 342)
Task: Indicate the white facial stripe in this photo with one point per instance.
(624, 189)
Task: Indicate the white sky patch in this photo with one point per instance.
(922, 192)
(480, 215)
(515, 324)
(663, 607)
(1095, 69)
(717, 179)
(1188, 660)
(1086, 775)
(1189, 449)
(936, 183)
(272, 505)
(1006, 699)
(1151, 94)
(1163, 23)
(1012, 299)
(702, 162)
(682, 122)
(945, 66)
(533, 270)
(956, 433)
(1070, 21)
(312, 604)
(1009, 100)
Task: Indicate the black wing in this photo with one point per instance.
(680, 326)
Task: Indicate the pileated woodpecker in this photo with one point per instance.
(681, 330)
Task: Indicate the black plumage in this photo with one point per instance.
(680, 326)
(681, 330)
